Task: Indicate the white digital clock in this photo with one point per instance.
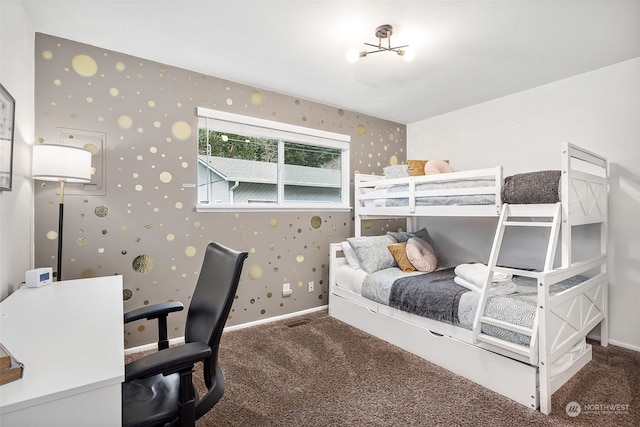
(39, 277)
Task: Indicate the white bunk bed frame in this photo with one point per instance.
(520, 373)
(365, 183)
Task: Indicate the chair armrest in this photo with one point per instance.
(156, 311)
(169, 361)
(153, 311)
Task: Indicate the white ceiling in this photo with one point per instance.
(467, 52)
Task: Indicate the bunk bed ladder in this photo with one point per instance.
(542, 216)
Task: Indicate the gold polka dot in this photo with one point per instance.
(255, 272)
(300, 258)
(393, 160)
(257, 98)
(92, 148)
(57, 82)
(120, 66)
(142, 264)
(84, 65)
(88, 273)
(181, 130)
(273, 222)
(52, 235)
(316, 222)
(139, 187)
(361, 130)
(178, 205)
(165, 177)
(125, 122)
(114, 92)
(229, 101)
(190, 251)
(47, 54)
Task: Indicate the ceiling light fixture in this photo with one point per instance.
(382, 32)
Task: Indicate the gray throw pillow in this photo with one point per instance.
(396, 171)
(372, 252)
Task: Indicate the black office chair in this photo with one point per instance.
(158, 388)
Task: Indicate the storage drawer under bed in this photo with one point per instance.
(506, 376)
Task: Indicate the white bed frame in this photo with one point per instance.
(364, 184)
(523, 374)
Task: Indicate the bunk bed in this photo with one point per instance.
(525, 357)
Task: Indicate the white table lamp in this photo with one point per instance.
(61, 163)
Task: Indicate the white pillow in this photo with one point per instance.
(350, 255)
(421, 255)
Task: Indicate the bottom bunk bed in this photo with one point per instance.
(576, 304)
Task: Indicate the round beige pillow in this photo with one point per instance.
(437, 166)
(421, 255)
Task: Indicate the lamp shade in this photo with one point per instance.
(61, 163)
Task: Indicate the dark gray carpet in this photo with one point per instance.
(326, 373)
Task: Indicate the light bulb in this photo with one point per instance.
(409, 54)
(353, 55)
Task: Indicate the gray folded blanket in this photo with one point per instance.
(532, 188)
(434, 295)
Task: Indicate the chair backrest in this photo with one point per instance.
(209, 309)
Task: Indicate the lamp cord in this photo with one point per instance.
(60, 222)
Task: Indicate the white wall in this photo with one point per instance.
(599, 111)
(16, 206)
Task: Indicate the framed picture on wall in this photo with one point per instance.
(7, 121)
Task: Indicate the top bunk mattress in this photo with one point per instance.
(428, 194)
(538, 187)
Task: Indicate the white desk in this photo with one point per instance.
(69, 336)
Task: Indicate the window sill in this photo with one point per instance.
(266, 208)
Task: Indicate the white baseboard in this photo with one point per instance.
(180, 340)
(275, 319)
(624, 345)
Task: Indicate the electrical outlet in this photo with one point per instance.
(311, 284)
(286, 290)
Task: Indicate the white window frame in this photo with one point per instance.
(239, 124)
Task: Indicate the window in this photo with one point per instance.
(255, 164)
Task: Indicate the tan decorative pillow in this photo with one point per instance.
(437, 166)
(416, 167)
(421, 255)
(399, 252)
